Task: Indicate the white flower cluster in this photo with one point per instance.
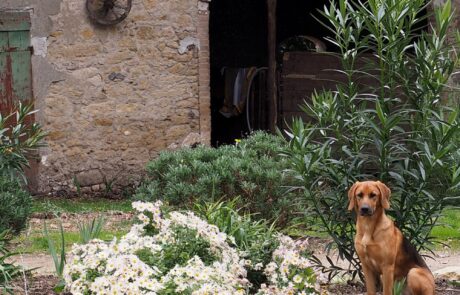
(289, 273)
(201, 278)
(114, 268)
(100, 268)
(117, 267)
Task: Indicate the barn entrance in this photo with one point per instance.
(238, 41)
(239, 58)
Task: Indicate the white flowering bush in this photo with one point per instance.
(290, 272)
(179, 253)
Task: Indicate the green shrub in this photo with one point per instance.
(19, 140)
(251, 170)
(8, 271)
(16, 205)
(397, 129)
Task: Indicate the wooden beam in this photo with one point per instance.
(14, 21)
(271, 76)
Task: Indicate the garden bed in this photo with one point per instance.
(117, 223)
(44, 284)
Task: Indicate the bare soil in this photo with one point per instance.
(442, 288)
(44, 284)
(36, 285)
(70, 220)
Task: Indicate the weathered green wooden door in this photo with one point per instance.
(16, 72)
(15, 60)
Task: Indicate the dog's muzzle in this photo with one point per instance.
(365, 211)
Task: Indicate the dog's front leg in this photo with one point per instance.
(370, 278)
(388, 280)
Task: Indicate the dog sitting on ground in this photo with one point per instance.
(383, 251)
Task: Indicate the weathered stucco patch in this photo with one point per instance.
(187, 44)
(39, 45)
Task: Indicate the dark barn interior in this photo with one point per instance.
(238, 39)
(298, 17)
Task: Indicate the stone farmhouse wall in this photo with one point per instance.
(113, 97)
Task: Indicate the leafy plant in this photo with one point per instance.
(110, 182)
(91, 230)
(187, 245)
(51, 208)
(8, 271)
(399, 286)
(77, 185)
(19, 140)
(385, 120)
(59, 259)
(108, 185)
(252, 169)
(15, 205)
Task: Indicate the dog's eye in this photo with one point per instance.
(372, 195)
(360, 195)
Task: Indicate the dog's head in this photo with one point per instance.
(367, 196)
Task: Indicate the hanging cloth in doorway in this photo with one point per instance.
(236, 86)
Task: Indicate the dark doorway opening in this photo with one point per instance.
(238, 39)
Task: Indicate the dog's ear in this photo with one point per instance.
(351, 196)
(385, 193)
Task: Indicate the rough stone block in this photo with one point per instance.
(90, 177)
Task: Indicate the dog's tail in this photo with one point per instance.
(420, 281)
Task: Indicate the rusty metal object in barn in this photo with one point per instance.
(108, 12)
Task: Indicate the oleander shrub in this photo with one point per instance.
(15, 205)
(397, 129)
(251, 170)
(180, 253)
(19, 140)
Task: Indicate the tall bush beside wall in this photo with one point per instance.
(396, 129)
(19, 141)
(251, 170)
(15, 205)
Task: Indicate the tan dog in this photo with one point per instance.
(381, 247)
